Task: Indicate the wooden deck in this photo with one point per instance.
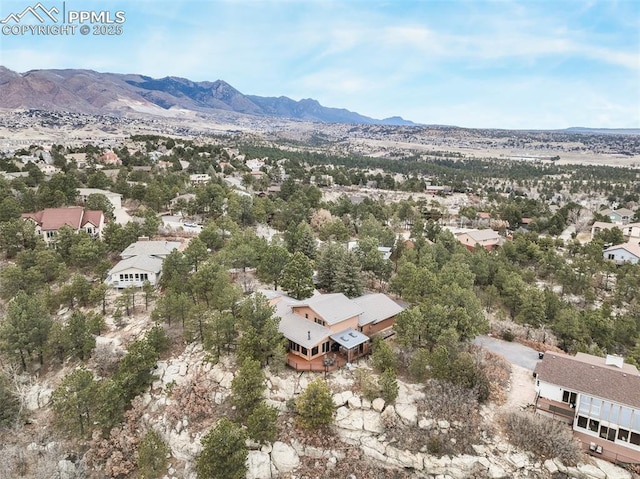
(609, 451)
(317, 364)
(558, 410)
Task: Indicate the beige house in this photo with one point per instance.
(328, 330)
(488, 239)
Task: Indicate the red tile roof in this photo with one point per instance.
(52, 219)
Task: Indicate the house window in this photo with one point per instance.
(145, 277)
(51, 234)
(325, 347)
(611, 256)
(137, 276)
(569, 397)
(594, 425)
(635, 439)
(306, 315)
(319, 321)
(608, 433)
(623, 435)
(294, 346)
(314, 351)
(303, 351)
(582, 422)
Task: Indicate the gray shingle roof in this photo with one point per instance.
(333, 308)
(150, 248)
(142, 262)
(376, 307)
(590, 375)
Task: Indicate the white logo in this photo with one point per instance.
(34, 11)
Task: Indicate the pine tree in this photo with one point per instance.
(348, 276)
(247, 388)
(297, 278)
(315, 406)
(224, 452)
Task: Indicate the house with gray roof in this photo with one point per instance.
(329, 329)
(141, 261)
(159, 249)
(599, 397)
(134, 271)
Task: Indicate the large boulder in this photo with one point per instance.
(284, 457)
(408, 413)
(351, 419)
(258, 465)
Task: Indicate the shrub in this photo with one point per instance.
(545, 437)
(152, 456)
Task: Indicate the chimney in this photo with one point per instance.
(612, 360)
(143, 238)
(309, 335)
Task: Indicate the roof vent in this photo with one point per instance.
(309, 335)
(612, 360)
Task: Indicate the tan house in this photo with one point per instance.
(599, 397)
(488, 239)
(328, 330)
(50, 220)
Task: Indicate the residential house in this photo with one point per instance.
(598, 226)
(135, 271)
(621, 216)
(199, 179)
(599, 397)
(141, 261)
(110, 158)
(623, 253)
(50, 220)
(331, 329)
(114, 198)
(488, 239)
(159, 249)
(631, 232)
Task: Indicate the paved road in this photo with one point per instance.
(515, 353)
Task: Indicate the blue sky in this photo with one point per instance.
(487, 64)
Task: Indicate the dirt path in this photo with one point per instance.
(521, 391)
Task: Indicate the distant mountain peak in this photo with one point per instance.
(87, 91)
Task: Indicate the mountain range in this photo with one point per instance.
(87, 91)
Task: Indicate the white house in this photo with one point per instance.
(135, 271)
(114, 198)
(199, 179)
(599, 397)
(623, 253)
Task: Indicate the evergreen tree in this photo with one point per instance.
(73, 403)
(262, 423)
(152, 454)
(297, 278)
(315, 406)
(224, 452)
(247, 388)
(348, 276)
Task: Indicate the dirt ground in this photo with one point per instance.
(521, 389)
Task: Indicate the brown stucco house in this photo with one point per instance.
(327, 330)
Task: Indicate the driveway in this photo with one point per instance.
(515, 353)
